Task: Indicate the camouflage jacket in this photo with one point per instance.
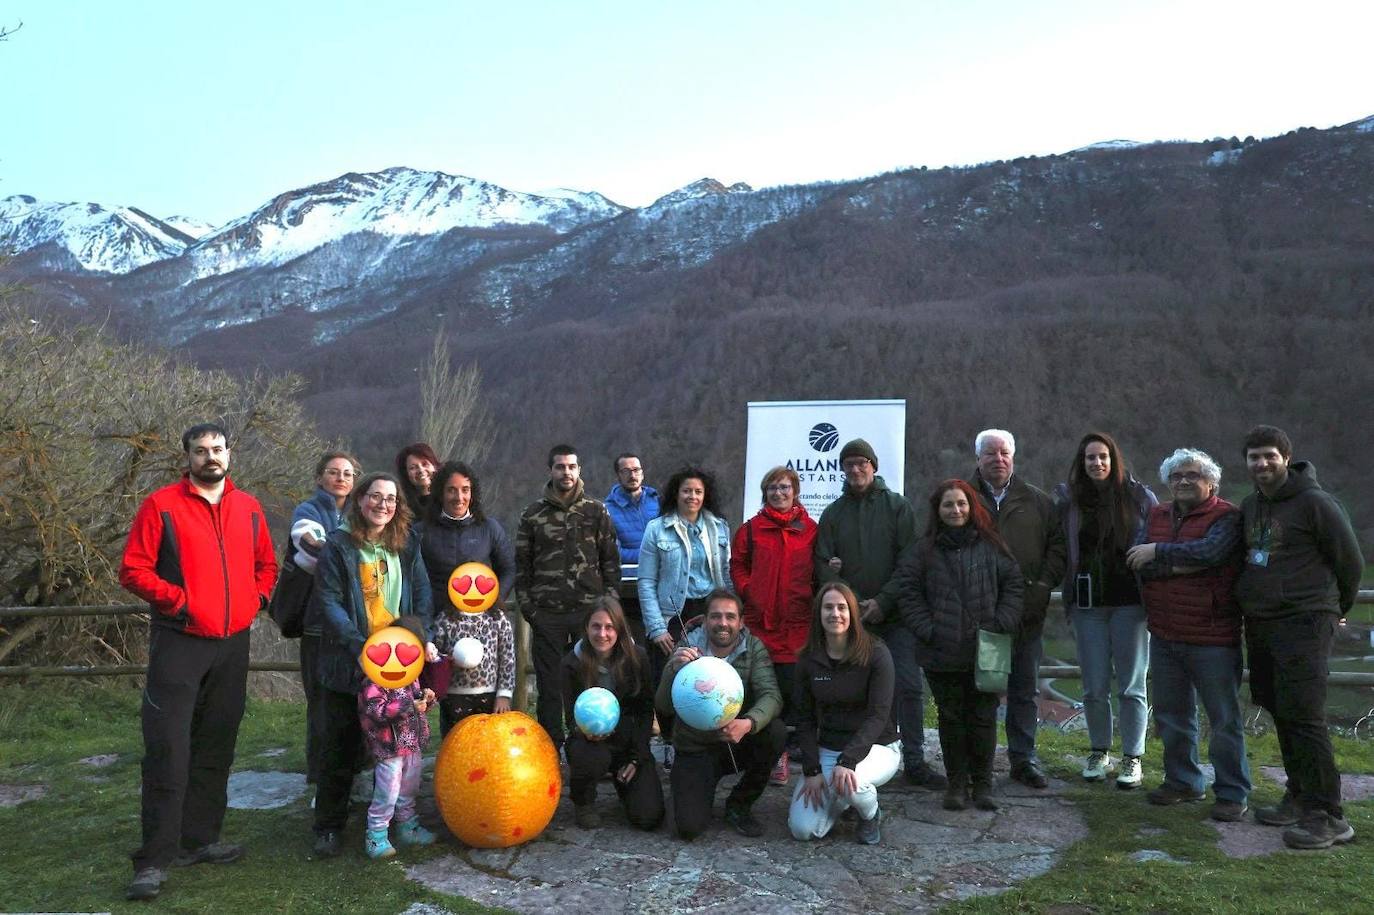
(565, 556)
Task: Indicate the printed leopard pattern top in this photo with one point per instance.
(496, 673)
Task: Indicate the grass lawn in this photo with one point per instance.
(69, 850)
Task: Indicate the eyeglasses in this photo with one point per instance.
(1190, 476)
(342, 474)
(780, 487)
(377, 498)
(855, 464)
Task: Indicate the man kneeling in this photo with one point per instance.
(750, 744)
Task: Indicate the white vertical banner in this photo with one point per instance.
(807, 436)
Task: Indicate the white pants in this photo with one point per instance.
(875, 770)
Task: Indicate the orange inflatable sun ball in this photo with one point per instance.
(496, 780)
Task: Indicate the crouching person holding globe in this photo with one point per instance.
(843, 701)
(608, 695)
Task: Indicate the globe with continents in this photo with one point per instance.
(596, 711)
(707, 693)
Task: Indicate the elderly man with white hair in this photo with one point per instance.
(1188, 564)
(1027, 520)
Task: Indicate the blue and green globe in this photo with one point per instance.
(707, 693)
(596, 712)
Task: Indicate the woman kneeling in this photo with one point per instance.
(843, 701)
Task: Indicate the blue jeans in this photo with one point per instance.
(1182, 675)
(1023, 685)
(1114, 638)
(908, 699)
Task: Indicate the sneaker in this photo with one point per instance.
(922, 775)
(586, 816)
(1129, 778)
(1099, 764)
(377, 845)
(147, 883)
(1030, 774)
(1284, 813)
(326, 844)
(412, 833)
(743, 822)
(215, 853)
(780, 772)
(1318, 829)
(867, 831)
(1228, 811)
(1169, 794)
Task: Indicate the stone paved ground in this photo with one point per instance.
(928, 856)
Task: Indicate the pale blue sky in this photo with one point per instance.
(210, 110)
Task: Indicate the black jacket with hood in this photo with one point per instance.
(1301, 554)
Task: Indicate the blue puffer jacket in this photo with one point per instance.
(665, 559)
(631, 518)
(338, 603)
(324, 511)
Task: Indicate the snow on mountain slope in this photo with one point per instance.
(102, 240)
(397, 202)
(191, 226)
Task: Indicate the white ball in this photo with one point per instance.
(468, 653)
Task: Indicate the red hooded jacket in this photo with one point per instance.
(205, 569)
(771, 567)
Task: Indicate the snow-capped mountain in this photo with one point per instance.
(97, 238)
(398, 203)
(195, 228)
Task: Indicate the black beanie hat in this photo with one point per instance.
(858, 448)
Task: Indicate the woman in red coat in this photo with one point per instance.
(770, 565)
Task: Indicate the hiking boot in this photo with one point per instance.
(922, 775)
(982, 795)
(412, 833)
(743, 822)
(586, 817)
(956, 793)
(780, 772)
(214, 853)
(1284, 813)
(377, 845)
(867, 831)
(1129, 778)
(1098, 765)
(1225, 811)
(326, 844)
(147, 883)
(1318, 829)
(1030, 774)
(1169, 794)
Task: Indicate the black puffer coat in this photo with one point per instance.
(947, 595)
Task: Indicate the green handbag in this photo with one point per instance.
(992, 666)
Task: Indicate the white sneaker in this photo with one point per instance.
(1099, 764)
(1129, 776)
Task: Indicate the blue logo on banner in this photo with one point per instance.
(824, 437)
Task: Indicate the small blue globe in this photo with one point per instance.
(596, 712)
(707, 693)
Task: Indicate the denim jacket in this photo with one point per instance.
(665, 559)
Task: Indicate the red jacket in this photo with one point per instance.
(205, 569)
(771, 567)
(1197, 608)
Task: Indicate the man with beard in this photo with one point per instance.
(859, 539)
(1299, 579)
(750, 744)
(565, 558)
(200, 555)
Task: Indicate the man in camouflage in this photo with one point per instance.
(565, 558)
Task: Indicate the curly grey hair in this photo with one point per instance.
(986, 434)
(1211, 470)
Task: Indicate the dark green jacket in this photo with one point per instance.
(869, 533)
(1029, 523)
(762, 697)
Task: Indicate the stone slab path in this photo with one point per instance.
(928, 856)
